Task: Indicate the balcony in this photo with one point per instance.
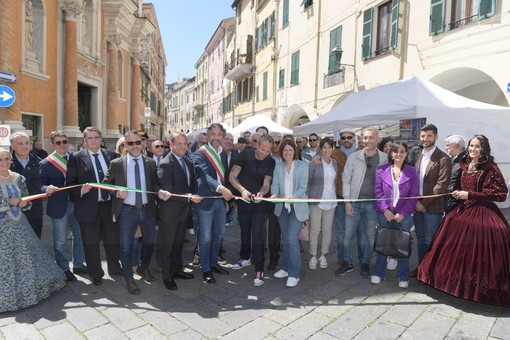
(240, 68)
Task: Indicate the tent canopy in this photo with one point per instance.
(418, 98)
(252, 123)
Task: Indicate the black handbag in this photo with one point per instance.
(393, 241)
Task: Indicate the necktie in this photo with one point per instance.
(158, 161)
(100, 176)
(65, 157)
(183, 165)
(138, 184)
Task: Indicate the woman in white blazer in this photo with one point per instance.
(290, 180)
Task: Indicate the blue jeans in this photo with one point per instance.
(426, 224)
(60, 237)
(402, 262)
(212, 228)
(291, 255)
(129, 219)
(365, 217)
(340, 225)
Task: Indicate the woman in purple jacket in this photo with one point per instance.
(394, 181)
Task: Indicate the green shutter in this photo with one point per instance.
(272, 20)
(486, 9)
(264, 86)
(335, 41)
(264, 33)
(249, 49)
(437, 8)
(366, 46)
(394, 23)
(294, 70)
(257, 39)
(257, 93)
(285, 13)
(281, 80)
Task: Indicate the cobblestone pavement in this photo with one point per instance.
(322, 306)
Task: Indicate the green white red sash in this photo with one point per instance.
(215, 160)
(58, 162)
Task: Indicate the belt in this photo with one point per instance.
(130, 205)
(103, 202)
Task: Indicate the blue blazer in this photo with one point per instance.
(299, 185)
(207, 180)
(57, 203)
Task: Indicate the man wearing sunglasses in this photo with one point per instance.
(52, 176)
(158, 151)
(313, 150)
(347, 142)
(93, 208)
(133, 208)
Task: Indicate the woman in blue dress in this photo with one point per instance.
(28, 273)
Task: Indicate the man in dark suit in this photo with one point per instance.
(93, 207)
(455, 146)
(52, 176)
(210, 173)
(435, 169)
(131, 209)
(27, 164)
(176, 175)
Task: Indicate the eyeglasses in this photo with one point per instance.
(346, 137)
(93, 137)
(312, 140)
(158, 146)
(277, 142)
(61, 142)
(138, 142)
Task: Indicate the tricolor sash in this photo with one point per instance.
(215, 160)
(58, 162)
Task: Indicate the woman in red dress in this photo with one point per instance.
(469, 256)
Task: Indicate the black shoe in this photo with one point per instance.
(218, 269)
(97, 281)
(132, 288)
(80, 270)
(221, 260)
(272, 265)
(344, 269)
(170, 284)
(208, 277)
(365, 271)
(70, 276)
(183, 275)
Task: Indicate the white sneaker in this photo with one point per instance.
(259, 279)
(292, 282)
(241, 264)
(312, 264)
(391, 264)
(375, 280)
(322, 262)
(191, 231)
(281, 274)
(403, 284)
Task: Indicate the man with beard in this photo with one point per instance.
(435, 169)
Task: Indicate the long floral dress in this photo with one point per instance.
(28, 273)
(469, 256)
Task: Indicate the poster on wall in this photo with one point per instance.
(410, 130)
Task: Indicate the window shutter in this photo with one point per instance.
(335, 41)
(294, 71)
(486, 9)
(264, 86)
(281, 80)
(437, 16)
(367, 34)
(285, 13)
(272, 19)
(264, 33)
(257, 39)
(394, 23)
(249, 49)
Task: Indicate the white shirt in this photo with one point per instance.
(288, 185)
(103, 165)
(131, 180)
(329, 190)
(425, 159)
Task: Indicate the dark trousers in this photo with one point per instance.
(171, 237)
(274, 234)
(104, 229)
(253, 233)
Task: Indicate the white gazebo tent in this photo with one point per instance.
(252, 123)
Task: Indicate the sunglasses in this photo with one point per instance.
(312, 140)
(60, 142)
(138, 142)
(159, 146)
(346, 137)
(277, 142)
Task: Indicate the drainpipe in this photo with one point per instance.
(316, 95)
(402, 40)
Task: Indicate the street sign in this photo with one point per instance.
(147, 111)
(508, 88)
(7, 76)
(5, 135)
(7, 96)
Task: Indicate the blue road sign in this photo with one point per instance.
(508, 88)
(7, 76)
(7, 96)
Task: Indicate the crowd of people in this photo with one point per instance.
(156, 190)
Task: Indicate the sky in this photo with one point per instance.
(186, 27)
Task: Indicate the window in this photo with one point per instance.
(335, 44)
(461, 12)
(294, 69)
(265, 32)
(264, 86)
(386, 23)
(285, 13)
(281, 79)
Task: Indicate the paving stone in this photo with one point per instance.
(356, 320)
(105, 332)
(21, 331)
(205, 324)
(241, 311)
(501, 328)
(85, 318)
(403, 313)
(10, 317)
(472, 326)
(259, 328)
(304, 327)
(123, 318)
(163, 322)
(145, 332)
(381, 330)
(322, 336)
(61, 331)
(436, 326)
(445, 310)
(188, 334)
